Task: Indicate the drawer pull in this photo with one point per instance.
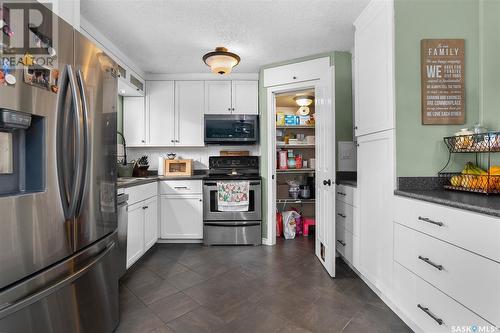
(145, 207)
(428, 220)
(341, 193)
(341, 215)
(341, 242)
(426, 260)
(430, 314)
(181, 187)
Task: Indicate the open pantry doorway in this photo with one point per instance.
(301, 171)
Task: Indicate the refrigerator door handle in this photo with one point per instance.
(78, 144)
(86, 142)
(66, 178)
(9, 308)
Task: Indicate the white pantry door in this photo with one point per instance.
(325, 172)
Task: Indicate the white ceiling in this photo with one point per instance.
(171, 36)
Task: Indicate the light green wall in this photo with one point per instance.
(343, 102)
(420, 149)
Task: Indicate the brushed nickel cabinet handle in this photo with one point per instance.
(427, 261)
(341, 215)
(430, 314)
(428, 220)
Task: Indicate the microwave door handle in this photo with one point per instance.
(77, 177)
(61, 127)
(85, 163)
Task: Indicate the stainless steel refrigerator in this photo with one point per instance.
(58, 215)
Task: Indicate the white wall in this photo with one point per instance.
(199, 155)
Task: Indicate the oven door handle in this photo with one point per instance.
(231, 224)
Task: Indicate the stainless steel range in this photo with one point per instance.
(240, 224)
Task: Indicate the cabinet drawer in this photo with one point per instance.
(298, 72)
(474, 232)
(344, 242)
(141, 192)
(412, 291)
(470, 279)
(346, 194)
(345, 213)
(180, 187)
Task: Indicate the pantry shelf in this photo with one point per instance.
(294, 126)
(299, 146)
(295, 201)
(303, 170)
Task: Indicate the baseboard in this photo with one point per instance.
(180, 241)
(387, 300)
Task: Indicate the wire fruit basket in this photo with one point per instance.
(472, 178)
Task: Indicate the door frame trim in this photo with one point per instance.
(271, 154)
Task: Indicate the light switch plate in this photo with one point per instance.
(6, 153)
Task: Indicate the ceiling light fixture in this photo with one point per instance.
(303, 102)
(221, 61)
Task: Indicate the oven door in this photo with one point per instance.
(243, 129)
(211, 210)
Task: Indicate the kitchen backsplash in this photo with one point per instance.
(200, 155)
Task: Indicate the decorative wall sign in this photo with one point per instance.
(443, 81)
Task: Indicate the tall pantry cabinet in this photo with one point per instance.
(374, 128)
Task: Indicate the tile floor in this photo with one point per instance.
(192, 288)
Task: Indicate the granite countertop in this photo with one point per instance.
(135, 181)
(429, 189)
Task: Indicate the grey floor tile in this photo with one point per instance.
(174, 306)
(256, 322)
(186, 279)
(199, 320)
(374, 319)
(154, 291)
(143, 320)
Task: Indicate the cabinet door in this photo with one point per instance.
(150, 222)
(160, 112)
(133, 121)
(376, 192)
(189, 104)
(245, 97)
(217, 97)
(135, 233)
(182, 217)
(374, 73)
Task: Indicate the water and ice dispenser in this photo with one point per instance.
(21, 153)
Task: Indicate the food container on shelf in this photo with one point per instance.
(305, 191)
(298, 161)
(280, 118)
(290, 120)
(310, 139)
(293, 189)
(304, 120)
(294, 141)
(282, 160)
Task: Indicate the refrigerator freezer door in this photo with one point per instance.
(33, 230)
(79, 294)
(96, 214)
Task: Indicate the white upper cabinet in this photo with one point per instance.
(298, 72)
(245, 97)
(189, 105)
(160, 112)
(217, 97)
(232, 97)
(374, 68)
(133, 121)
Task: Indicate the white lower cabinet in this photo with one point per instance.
(150, 222)
(181, 207)
(142, 227)
(429, 308)
(135, 233)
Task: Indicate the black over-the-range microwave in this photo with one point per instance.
(231, 129)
